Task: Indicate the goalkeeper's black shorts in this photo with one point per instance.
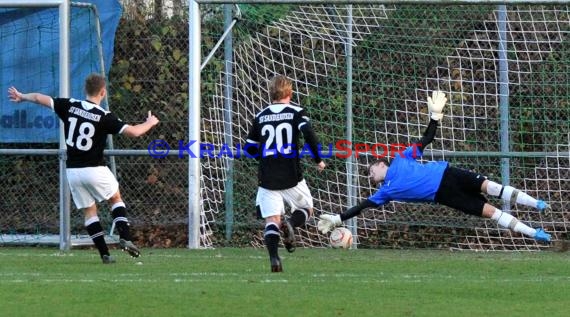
(461, 189)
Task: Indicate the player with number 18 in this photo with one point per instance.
(90, 180)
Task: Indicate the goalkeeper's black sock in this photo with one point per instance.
(96, 234)
(119, 213)
(272, 236)
(299, 217)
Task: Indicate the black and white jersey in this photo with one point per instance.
(86, 128)
(274, 136)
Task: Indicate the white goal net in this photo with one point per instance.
(399, 53)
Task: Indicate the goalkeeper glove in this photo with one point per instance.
(436, 103)
(328, 222)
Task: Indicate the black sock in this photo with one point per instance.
(272, 236)
(98, 236)
(121, 222)
(299, 217)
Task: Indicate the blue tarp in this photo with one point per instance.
(29, 60)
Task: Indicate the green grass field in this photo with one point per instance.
(315, 282)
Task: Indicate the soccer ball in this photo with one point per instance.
(341, 238)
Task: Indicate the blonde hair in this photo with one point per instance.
(280, 87)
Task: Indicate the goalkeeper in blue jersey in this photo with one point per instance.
(406, 180)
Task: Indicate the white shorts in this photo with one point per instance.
(271, 202)
(89, 185)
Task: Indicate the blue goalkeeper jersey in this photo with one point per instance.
(407, 180)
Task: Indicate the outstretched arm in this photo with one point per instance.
(134, 131)
(428, 135)
(435, 106)
(41, 99)
(329, 222)
(356, 210)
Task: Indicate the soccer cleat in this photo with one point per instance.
(276, 265)
(542, 236)
(542, 206)
(107, 259)
(288, 236)
(130, 248)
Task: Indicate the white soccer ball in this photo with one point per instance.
(341, 238)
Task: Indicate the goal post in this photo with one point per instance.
(194, 117)
(363, 70)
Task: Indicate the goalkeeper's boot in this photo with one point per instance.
(276, 264)
(542, 236)
(107, 259)
(288, 236)
(130, 248)
(543, 206)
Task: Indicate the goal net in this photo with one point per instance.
(496, 67)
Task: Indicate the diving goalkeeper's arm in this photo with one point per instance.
(329, 222)
(435, 107)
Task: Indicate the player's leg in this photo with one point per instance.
(458, 190)
(301, 202)
(509, 193)
(477, 206)
(85, 201)
(103, 185)
(271, 236)
(288, 235)
(507, 220)
(119, 213)
(269, 205)
(96, 233)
